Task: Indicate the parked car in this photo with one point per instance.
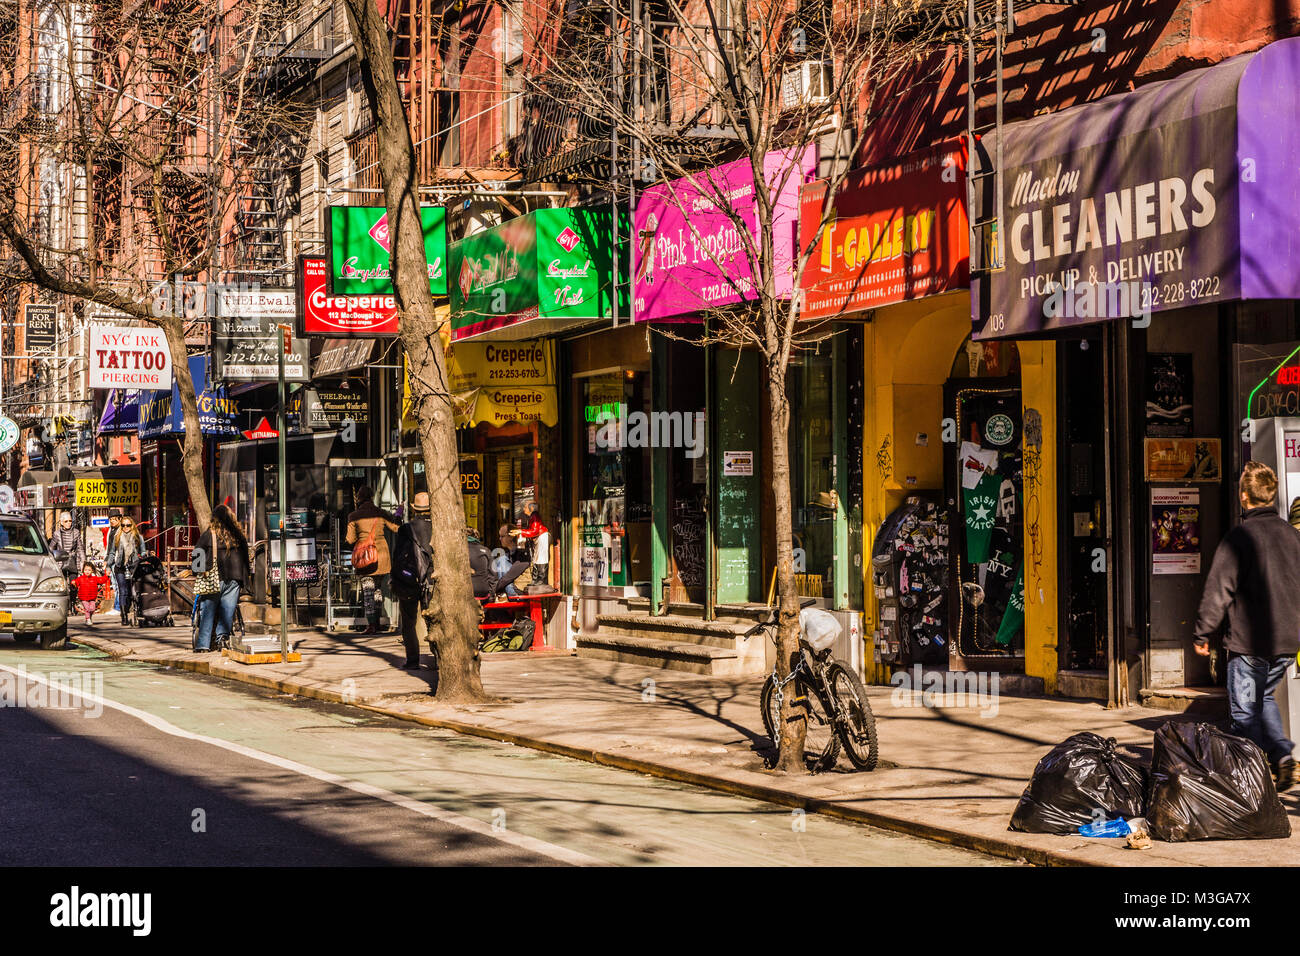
(33, 591)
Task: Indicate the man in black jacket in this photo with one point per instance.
(410, 597)
(1254, 586)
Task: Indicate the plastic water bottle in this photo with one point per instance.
(1107, 828)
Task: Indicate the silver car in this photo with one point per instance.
(34, 595)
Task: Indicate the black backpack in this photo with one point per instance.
(412, 564)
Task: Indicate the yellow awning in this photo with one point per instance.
(505, 406)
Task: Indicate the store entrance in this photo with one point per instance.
(687, 473)
(984, 485)
(1084, 518)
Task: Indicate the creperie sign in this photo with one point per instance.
(340, 316)
(129, 358)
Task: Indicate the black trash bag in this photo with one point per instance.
(1079, 777)
(1210, 785)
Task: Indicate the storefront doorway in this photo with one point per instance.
(688, 505)
(984, 488)
(1084, 518)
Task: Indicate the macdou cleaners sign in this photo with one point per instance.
(1178, 194)
(689, 253)
(129, 358)
(360, 247)
(341, 316)
(896, 232)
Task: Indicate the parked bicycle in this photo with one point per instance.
(827, 691)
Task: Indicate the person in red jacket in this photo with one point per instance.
(88, 584)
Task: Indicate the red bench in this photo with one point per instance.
(535, 611)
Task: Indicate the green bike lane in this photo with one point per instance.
(597, 814)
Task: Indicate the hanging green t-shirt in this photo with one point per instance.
(981, 507)
(1013, 619)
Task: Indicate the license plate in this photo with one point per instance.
(6, 617)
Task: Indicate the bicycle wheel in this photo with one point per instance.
(820, 746)
(858, 728)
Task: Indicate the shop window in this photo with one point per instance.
(614, 486)
(812, 472)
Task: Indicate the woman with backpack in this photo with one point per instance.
(370, 558)
(223, 550)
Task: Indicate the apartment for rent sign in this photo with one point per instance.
(129, 358)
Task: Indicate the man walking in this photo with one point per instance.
(411, 572)
(1254, 587)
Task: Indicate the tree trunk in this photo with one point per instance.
(455, 613)
(192, 439)
(794, 726)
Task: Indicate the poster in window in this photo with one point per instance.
(1169, 395)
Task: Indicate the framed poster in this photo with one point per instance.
(1182, 459)
(1169, 395)
(1175, 531)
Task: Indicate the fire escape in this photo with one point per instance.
(260, 246)
(989, 24)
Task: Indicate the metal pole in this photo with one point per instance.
(283, 482)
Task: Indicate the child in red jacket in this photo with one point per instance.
(88, 584)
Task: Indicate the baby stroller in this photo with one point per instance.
(152, 604)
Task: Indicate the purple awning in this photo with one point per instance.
(121, 413)
(1180, 193)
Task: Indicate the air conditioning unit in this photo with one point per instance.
(807, 84)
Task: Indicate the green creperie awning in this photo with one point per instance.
(548, 271)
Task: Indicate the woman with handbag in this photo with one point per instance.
(370, 558)
(222, 554)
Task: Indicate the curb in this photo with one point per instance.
(991, 846)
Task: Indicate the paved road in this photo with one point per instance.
(148, 766)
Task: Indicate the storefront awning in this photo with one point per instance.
(545, 272)
(161, 415)
(507, 406)
(121, 413)
(1178, 194)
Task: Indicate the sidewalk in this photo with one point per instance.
(950, 775)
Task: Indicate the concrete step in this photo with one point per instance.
(1210, 703)
(1088, 685)
(667, 655)
(672, 627)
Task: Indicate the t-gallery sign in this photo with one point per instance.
(129, 358)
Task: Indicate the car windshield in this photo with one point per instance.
(20, 536)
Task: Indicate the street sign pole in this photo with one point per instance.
(281, 424)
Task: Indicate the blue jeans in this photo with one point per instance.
(1251, 682)
(218, 609)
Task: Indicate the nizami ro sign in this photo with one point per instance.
(129, 358)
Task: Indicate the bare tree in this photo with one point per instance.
(454, 613)
(776, 77)
(146, 114)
